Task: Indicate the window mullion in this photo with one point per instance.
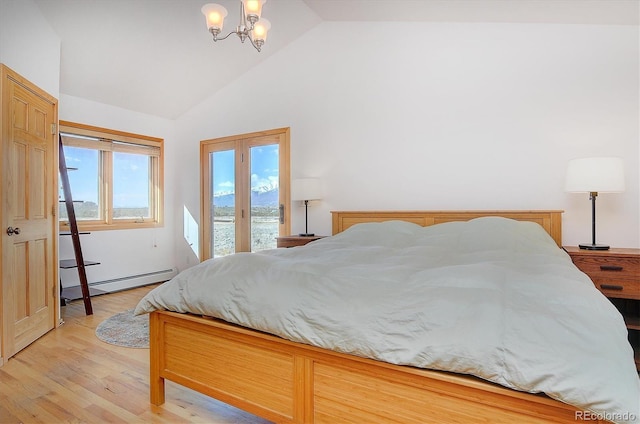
(242, 212)
(107, 186)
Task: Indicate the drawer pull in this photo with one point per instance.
(610, 268)
(611, 287)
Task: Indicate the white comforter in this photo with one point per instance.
(491, 297)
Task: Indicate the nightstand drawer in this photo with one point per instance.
(609, 268)
(619, 289)
(617, 277)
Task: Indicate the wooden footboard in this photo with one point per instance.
(285, 381)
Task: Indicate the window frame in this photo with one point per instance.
(111, 141)
(241, 145)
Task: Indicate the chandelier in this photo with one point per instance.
(251, 26)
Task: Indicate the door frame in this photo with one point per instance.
(205, 183)
(6, 74)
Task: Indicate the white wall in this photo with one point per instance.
(124, 253)
(443, 116)
(28, 44)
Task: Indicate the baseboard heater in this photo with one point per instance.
(118, 284)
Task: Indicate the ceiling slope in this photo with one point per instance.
(156, 57)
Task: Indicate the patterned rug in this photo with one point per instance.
(125, 329)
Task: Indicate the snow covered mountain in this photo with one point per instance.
(264, 196)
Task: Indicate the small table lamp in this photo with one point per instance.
(593, 176)
(306, 189)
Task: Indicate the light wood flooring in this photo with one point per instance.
(70, 376)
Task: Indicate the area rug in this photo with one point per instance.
(125, 329)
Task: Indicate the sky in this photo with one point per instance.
(130, 177)
(130, 173)
(264, 169)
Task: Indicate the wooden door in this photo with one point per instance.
(28, 186)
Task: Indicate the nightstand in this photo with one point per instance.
(293, 241)
(616, 273)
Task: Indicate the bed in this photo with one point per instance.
(293, 373)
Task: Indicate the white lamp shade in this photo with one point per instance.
(260, 30)
(306, 189)
(253, 7)
(215, 15)
(600, 175)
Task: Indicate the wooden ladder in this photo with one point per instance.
(75, 235)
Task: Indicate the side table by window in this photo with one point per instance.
(295, 241)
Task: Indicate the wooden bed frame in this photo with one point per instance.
(285, 381)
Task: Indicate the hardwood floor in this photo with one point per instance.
(70, 376)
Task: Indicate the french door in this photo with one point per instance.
(244, 190)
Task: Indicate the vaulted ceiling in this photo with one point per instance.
(156, 56)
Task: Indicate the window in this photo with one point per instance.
(244, 190)
(116, 178)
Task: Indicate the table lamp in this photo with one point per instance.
(306, 189)
(593, 176)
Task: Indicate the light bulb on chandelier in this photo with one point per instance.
(251, 26)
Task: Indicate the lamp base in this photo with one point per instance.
(306, 234)
(594, 246)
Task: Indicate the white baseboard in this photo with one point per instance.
(129, 282)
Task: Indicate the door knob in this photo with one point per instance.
(11, 231)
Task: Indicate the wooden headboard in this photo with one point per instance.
(551, 221)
